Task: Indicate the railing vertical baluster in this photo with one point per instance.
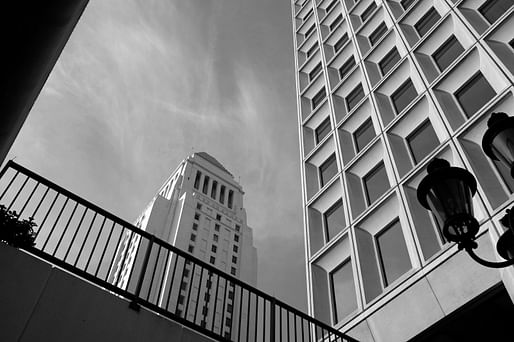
(18, 193)
(55, 224)
(153, 272)
(256, 316)
(295, 329)
(9, 185)
(47, 213)
(191, 282)
(75, 234)
(288, 331)
(134, 304)
(161, 283)
(264, 320)
(85, 239)
(39, 204)
(303, 326)
(224, 309)
(215, 302)
(248, 316)
(280, 330)
(103, 253)
(96, 242)
(198, 296)
(170, 289)
(29, 198)
(65, 228)
(240, 313)
(272, 320)
(117, 278)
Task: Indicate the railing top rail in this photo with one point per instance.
(91, 206)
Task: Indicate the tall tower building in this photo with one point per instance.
(198, 209)
(383, 87)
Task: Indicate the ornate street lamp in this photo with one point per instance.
(448, 192)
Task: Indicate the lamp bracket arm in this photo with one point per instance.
(486, 263)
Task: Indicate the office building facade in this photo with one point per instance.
(199, 209)
(383, 87)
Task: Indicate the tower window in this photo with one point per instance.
(344, 300)
(392, 252)
(447, 53)
(212, 260)
(322, 130)
(222, 194)
(406, 3)
(346, 67)
(214, 249)
(230, 199)
(311, 50)
(327, 170)
(205, 184)
(404, 95)
(310, 30)
(363, 135)
(375, 36)
(493, 9)
(233, 271)
(215, 238)
(236, 238)
(376, 183)
(318, 98)
(332, 5)
(197, 179)
(214, 188)
(422, 141)
(336, 22)
(334, 220)
(315, 72)
(474, 94)
(354, 97)
(427, 22)
(368, 11)
(389, 61)
(193, 237)
(340, 43)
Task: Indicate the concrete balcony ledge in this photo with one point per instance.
(39, 302)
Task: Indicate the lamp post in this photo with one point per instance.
(448, 192)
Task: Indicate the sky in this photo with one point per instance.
(142, 84)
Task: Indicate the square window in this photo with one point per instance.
(218, 217)
(368, 11)
(214, 188)
(193, 237)
(212, 260)
(238, 227)
(327, 170)
(376, 183)
(332, 5)
(404, 95)
(312, 50)
(236, 238)
(215, 238)
(343, 291)
(235, 249)
(310, 30)
(336, 22)
(305, 17)
(341, 42)
(354, 97)
(233, 270)
(214, 248)
(197, 216)
(322, 130)
(392, 252)
(447, 53)
(334, 220)
(230, 294)
(217, 227)
(315, 72)
(389, 61)
(198, 206)
(234, 259)
(205, 184)
(186, 273)
(195, 226)
(183, 285)
(422, 141)
(197, 180)
(363, 135)
(406, 3)
(474, 94)
(191, 249)
(318, 98)
(180, 299)
(346, 67)
(427, 22)
(493, 9)
(375, 36)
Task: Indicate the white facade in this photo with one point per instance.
(383, 87)
(199, 209)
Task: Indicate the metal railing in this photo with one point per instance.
(92, 243)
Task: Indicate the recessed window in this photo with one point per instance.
(238, 227)
(235, 248)
(375, 36)
(389, 61)
(217, 227)
(322, 130)
(195, 226)
(334, 220)
(332, 5)
(198, 206)
(318, 98)
(403, 96)
(212, 260)
(344, 300)
(197, 216)
(186, 273)
(305, 17)
(193, 237)
(233, 271)
(474, 94)
(354, 97)
(376, 183)
(236, 238)
(310, 30)
(234, 259)
(422, 141)
(363, 135)
(191, 249)
(346, 67)
(328, 170)
(222, 194)
(215, 238)
(447, 53)
(214, 249)
(197, 179)
(392, 252)
(368, 11)
(230, 201)
(214, 188)
(427, 22)
(340, 43)
(493, 9)
(312, 50)
(205, 184)
(336, 22)
(406, 3)
(315, 71)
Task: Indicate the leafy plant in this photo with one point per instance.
(16, 232)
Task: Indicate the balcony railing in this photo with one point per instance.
(94, 244)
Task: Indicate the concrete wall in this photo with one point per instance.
(39, 302)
